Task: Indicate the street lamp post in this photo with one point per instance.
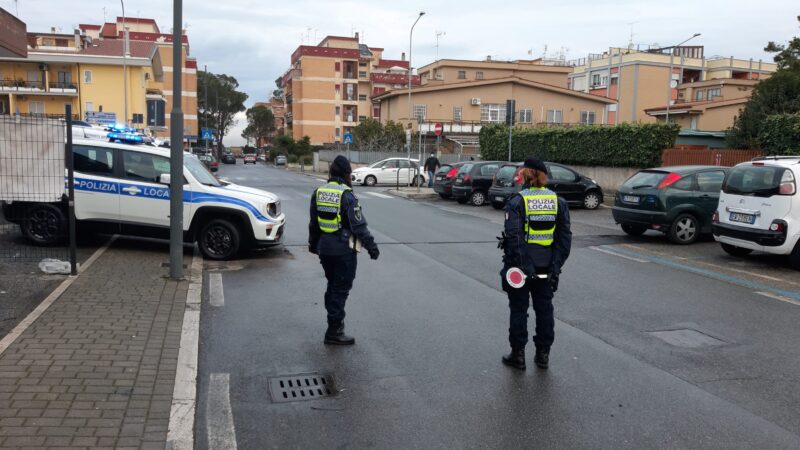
(410, 109)
(124, 64)
(176, 151)
(669, 77)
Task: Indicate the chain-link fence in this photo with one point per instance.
(35, 188)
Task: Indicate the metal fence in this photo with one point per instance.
(36, 218)
(711, 157)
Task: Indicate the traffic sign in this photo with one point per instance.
(208, 134)
(348, 138)
(101, 118)
(437, 128)
(515, 277)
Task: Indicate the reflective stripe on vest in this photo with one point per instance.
(329, 203)
(541, 208)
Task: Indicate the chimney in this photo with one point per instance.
(53, 30)
(488, 57)
(357, 37)
(77, 33)
(403, 56)
(127, 43)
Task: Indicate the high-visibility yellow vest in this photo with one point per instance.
(541, 208)
(329, 206)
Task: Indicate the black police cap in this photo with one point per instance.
(534, 163)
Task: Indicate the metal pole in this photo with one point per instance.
(669, 83)
(419, 161)
(410, 110)
(205, 108)
(73, 252)
(124, 63)
(176, 156)
(510, 127)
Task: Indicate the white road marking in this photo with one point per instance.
(219, 416)
(216, 293)
(36, 313)
(184, 395)
(376, 194)
(779, 297)
(610, 252)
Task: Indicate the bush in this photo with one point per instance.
(780, 134)
(625, 145)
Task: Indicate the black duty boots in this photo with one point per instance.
(542, 358)
(335, 334)
(515, 359)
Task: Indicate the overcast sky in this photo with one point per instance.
(253, 40)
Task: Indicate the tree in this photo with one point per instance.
(218, 111)
(780, 134)
(371, 135)
(278, 93)
(260, 123)
(788, 56)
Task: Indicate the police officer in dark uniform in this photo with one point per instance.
(336, 232)
(537, 240)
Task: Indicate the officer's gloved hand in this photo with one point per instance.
(554, 281)
(374, 253)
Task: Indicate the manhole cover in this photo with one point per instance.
(295, 388)
(687, 338)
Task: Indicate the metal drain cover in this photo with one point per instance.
(296, 388)
(687, 338)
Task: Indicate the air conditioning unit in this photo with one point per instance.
(42, 66)
(475, 101)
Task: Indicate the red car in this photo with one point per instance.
(249, 158)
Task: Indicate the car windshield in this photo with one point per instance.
(759, 181)
(506, 172)
(465, 168)
(645, 179)
(444, 169)
(199, 172)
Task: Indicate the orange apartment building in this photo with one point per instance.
(159, 93)
(641, 82)
(330, 87)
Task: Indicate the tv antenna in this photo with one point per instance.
(439, 34)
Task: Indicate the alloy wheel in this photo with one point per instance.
(685, 229)
(218, 240)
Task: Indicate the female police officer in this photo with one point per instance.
(537, 240)
(336, 232)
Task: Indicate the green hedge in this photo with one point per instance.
(780, 134)
(625, 145)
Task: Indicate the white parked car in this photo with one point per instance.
(759, 208)
(389, 171)
(122, 188)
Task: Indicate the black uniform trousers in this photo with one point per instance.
(539, 292)
(340, 270)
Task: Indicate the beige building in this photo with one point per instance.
(641, 80)
(330, 86)
(446, 71)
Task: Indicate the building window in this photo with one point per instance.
(525, 116)
(376, 111)
(554, 116)
(338, 111)
(338, 132)
(587, 117)
(456, 113)
(155, 113)
(36, 107)
(478, 75)
(349, 92)
(493, 112)
(699, 95)
(420, 112)
(89, 106)
(64, 79)
(362, 64)
(362, 74)
(338, 90)
(87, 77)
(462, 74)
(595, 79)
(337, 66)
(362, 98)
(715, 92)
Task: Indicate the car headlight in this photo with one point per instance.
(274, 209)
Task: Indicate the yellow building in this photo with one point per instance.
(641, 80)
(330, 86)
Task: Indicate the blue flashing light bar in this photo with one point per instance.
(125, 138)
(120, 128)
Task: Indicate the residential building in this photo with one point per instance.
(277, 107)
(13, 32)
(73, 69)
(330, 86)
(159, 92)
(446, 71)
(644, 79)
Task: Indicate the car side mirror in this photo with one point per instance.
(165, 178)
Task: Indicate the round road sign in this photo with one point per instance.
(437, 128)
(515, 277)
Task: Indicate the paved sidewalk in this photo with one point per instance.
(97, 368)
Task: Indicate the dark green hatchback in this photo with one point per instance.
(678, 201)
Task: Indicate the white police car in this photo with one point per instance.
(759, 208)
(124, 188)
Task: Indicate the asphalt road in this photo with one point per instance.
(656, 346)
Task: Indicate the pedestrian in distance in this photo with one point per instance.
(536, 242)
(431, 166)
(336, 233)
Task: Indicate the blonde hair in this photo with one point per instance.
(533, 177)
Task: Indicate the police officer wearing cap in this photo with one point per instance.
(536, 240)
(336, 232)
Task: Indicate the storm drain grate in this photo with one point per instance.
(295, 388)
(687, 338)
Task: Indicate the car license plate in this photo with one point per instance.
(499, 199)
(630, 199)
(439, 178)
(743, 218)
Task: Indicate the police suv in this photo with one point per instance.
(122, 187)
(759, 208)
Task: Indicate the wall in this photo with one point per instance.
(106, 90)
(609, 178)
(718, 118)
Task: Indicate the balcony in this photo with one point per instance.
(61, 87)
(38, 88)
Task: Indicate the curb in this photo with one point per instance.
(412, 195)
